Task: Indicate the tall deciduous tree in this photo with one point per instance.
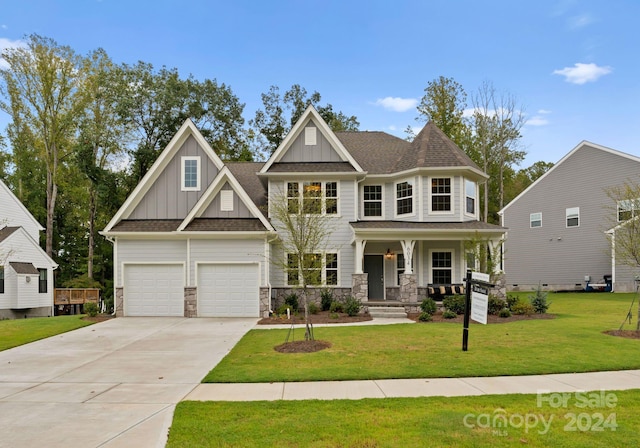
(43, 95)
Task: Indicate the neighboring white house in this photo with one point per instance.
(558, 226)
(26, 272)
(195, 237)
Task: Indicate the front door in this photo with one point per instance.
(373, 265)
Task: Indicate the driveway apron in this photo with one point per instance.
(112, 384)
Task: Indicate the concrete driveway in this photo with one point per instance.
(112, 384)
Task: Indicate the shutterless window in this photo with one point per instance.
(470, 191)
(372, 197)
(1, 279)
(400, 266)
(404, 198)
(42, 283)
(535, 220)
(573, 217)
(314, 197)
(441, 267)
(441, 194)
(628, 208)
(190, 173)
(317, 270)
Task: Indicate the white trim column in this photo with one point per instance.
(360, 245)
(407, 250)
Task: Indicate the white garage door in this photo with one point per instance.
(228, 290)
(154, 290)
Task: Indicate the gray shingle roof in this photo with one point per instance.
(376, 152)
(245, 173)
(147, 225)
(24, 268)
(225, 225)
(312, 167)
(5, 232)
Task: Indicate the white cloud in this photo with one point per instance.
(537, 120)
(544, 111)
(580, 21)
(397, 104)
(582, 73)
(8, 43)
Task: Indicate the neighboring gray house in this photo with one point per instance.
(195, 237)
(557, 226)
(26, 272)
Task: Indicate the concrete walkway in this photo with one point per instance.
(112, 384)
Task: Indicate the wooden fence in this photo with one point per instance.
(75, 296)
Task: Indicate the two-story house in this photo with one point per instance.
(558, 226)
(26, 272)
(195, 238)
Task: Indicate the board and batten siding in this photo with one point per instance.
(227, 251)
(149, 251)
(341, 236)
(165, 199)
(239, 209)
(553, 254)
(322, 151)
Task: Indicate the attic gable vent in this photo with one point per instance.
(226, 201)
(310, 136)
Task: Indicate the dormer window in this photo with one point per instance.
(191, 173)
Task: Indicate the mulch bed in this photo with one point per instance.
(99, 318)
(302, 346)
(629, 334)
(323, 317)
(491, 319)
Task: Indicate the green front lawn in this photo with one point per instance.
(572, 342)
(408, 422)
(16, 332)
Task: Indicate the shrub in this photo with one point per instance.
(292, 301)
(326, 299)
(522, 307)
(495, 304)
(539, 301)
(334, 315)
(91, 309)
(454, 303)
(511, 300)
(282, 310)
(428, 305)
(313, 308)
(505, 312)
(352, 306)
(448, 314)
(336, 307)
(425, 317)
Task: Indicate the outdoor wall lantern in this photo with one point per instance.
(389, 255)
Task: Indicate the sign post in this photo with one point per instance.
(477, 288)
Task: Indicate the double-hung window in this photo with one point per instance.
(317, 269)
(535, 220)
(372, 201)
(190, 171)
(404, 198)
(441, 267)
(1, 279)
(573, 217)
(628, 208)
(441, 194)
(42, 281)
(312, 197)
(470, 194)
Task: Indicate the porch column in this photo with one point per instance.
(360, 244)
(407, 250)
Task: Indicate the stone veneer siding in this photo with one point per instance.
(265, 302)
(313, 295)
(360, 286)
(119, 302)
(190, 301)
(408, 288)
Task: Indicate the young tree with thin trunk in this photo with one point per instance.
(304, 232)
(42, 88)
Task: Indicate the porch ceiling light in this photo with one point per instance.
(388, 255)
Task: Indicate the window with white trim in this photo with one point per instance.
(404, 198)
(313, 197)
(399, 267)
(573, 217)
(441, 267)
(628, 208)
(441, 194)
(535, 220)
(318, 269)
(470, 195)
(1, 279)
(372, 201)
(190, 173)
(42, 281)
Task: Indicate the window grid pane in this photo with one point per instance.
(191, 173)
(441, 194)
(372, 200)
(404, 198)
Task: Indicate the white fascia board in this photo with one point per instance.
(315, 175)
(187, 129)
(296, 130)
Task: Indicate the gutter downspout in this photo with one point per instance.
(267, 250)
(115, 267)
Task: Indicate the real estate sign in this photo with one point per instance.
(479, 303)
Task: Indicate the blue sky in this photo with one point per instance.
(573, 65)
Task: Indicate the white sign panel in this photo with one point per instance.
(481, 277)
(479, 307)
